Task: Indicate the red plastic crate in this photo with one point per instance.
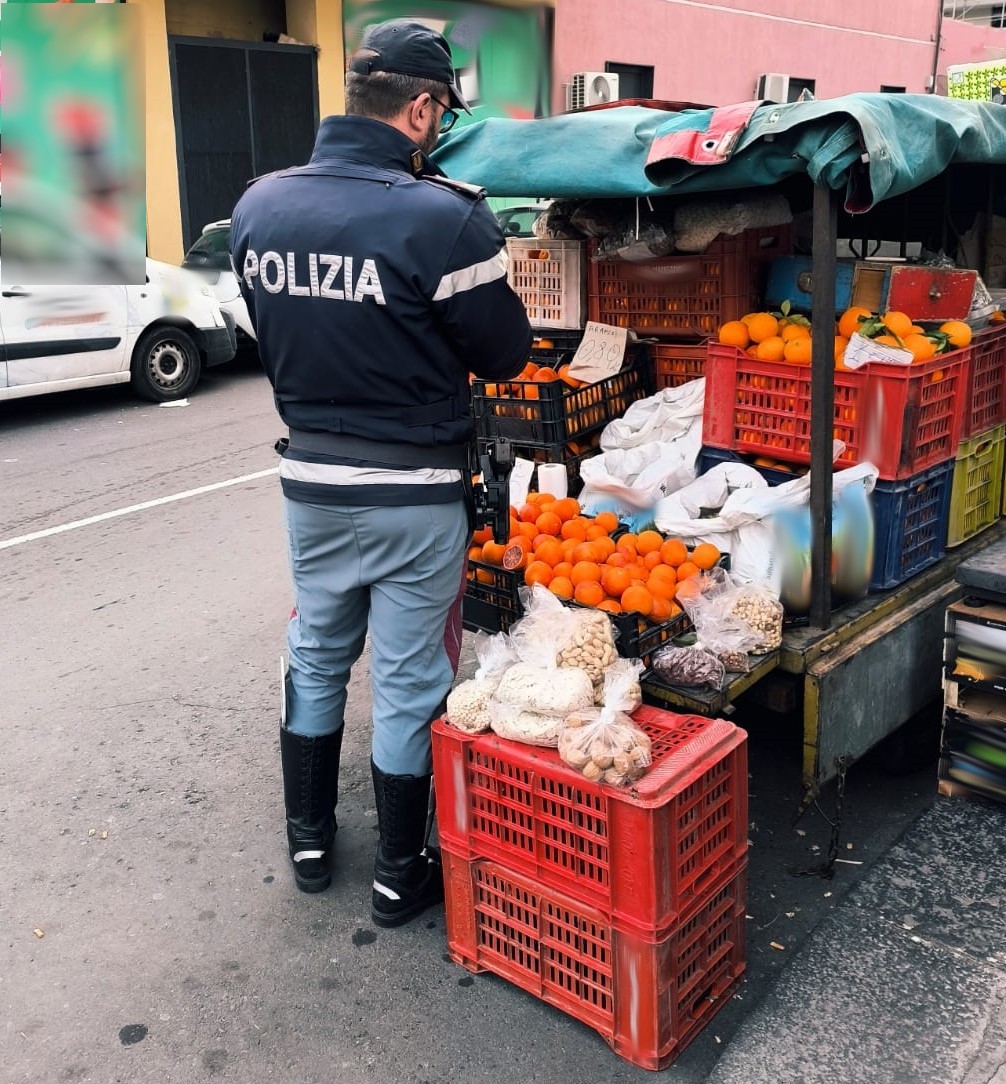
(676, 363)
(642, 854)
(648, 998)
(684, 296)
(900, 418)
(985, 383)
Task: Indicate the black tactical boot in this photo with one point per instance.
(407, 876)
(311, 790)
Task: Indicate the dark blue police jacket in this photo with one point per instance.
(374, 292)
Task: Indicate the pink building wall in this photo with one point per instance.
(713, 52)
(962, 43)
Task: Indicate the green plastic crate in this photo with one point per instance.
(976, 492)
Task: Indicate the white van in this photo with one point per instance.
(157, 337)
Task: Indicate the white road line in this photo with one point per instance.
(35, 535)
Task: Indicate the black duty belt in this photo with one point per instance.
(385, 453)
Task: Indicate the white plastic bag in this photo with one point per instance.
(649, 452)
(742, 521)
(667, 416)
(605, 745)
(468, 702)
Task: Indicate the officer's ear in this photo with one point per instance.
(418, 113)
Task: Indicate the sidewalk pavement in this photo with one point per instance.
(905, 982)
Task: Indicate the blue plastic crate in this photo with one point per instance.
(911, 517)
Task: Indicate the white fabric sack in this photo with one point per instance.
(666, 416)
(743, 526)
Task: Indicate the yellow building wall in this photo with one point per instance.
(240, 20)
(164, 208)
(319, 22)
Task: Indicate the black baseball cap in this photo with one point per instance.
(408, 48)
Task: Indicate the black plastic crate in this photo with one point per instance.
(564, 343)
(491, 602)
(544, 415)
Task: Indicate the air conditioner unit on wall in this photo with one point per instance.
(773, 87)
(591, 88)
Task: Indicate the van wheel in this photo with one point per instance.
(165, 365)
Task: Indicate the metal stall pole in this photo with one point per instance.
(822, 401)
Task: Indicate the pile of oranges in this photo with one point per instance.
(531, 375)
(787, 338)
(576, 557)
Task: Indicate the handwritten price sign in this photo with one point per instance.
(600, 353)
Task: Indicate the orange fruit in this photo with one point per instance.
(922, 347)
(574, 528)
(652, 560)
(619, 559)
(572, 381)
(492, 553)
(637, 599)
(607, 520)
(585, 570)
(734, 333)
(849, 321)
(529, 531)
(661, 610)
(959, 332)
(475, 553)
(615, 580)
(548, 523)
(674, 552)
(898, 323)
(771, 349)
(688, 568)
(595, 531)
(561, 587)
(690, 587)
(605, 546)
(797, 351)
(661, 587)
(649, 542)
(610, 605)
(538, 572)
(888, 340)
(626, 543)
(568, 545)
(585, 551)
(841, 342)
(546, 374)
(566, 508)
(795, 331)
(705, 555)
(589, 592)
(482, 535)
(563, 569)
(762, 326)
(528, 512)
(549, 550)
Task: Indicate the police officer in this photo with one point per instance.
(375, 285)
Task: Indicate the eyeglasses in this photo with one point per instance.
(447, 118)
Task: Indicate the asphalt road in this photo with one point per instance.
(150, 929)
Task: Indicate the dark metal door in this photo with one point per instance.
(241, 109)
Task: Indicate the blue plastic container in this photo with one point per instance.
(911, 518)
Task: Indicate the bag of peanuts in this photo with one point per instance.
(604, 745)
(553, 635)
(734, 621)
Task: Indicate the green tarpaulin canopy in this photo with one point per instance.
(870, 147)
